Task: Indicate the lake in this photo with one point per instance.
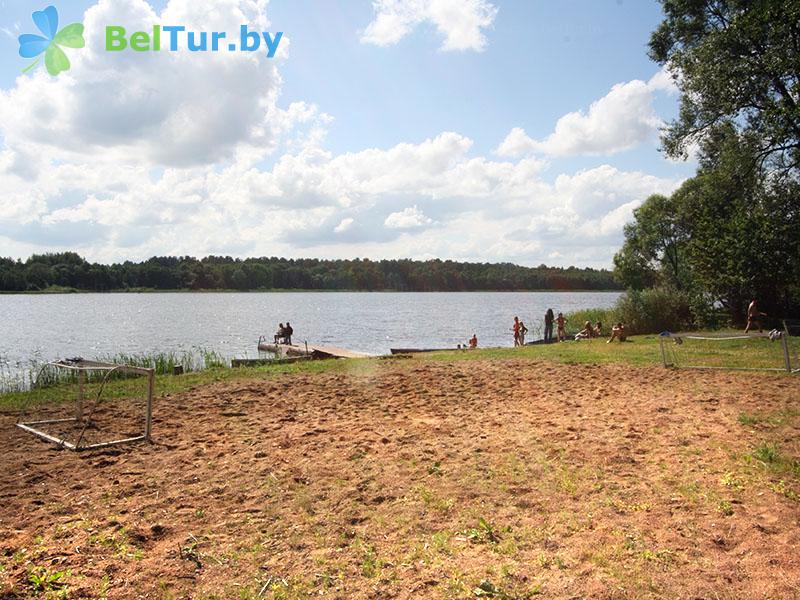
(38, 328)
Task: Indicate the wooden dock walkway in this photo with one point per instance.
(314, 351)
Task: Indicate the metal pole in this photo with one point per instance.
(81, 380)
(786, 359)
(148, 426)
(663, 352)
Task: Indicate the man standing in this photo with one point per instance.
(548, 326)
(754, 316)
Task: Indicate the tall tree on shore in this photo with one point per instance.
(732, 230)
(654, 249)
(743, 225)
(736, 61)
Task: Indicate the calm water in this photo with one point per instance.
(45, 327)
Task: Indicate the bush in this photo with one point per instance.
(706, 315)
(654, 310)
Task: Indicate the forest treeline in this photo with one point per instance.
(71, 271)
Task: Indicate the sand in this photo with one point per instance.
(423, 479)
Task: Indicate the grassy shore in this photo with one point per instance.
(643, 350)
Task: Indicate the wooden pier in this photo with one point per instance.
(308, 350)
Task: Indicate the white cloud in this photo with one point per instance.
(344, 225)
(461, 22)
(620, 120)
(171, 108)
(377, 203)
(120, 163)
(408, 218)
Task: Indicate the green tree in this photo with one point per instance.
(730, 233)
(744, 227)
(654, 247)
(735, 61)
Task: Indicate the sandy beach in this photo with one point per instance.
(423, 479)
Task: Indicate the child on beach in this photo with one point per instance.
(561, 331)
(473, 342)
(515, 329)
(522, 331)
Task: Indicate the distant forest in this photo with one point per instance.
(69, 271)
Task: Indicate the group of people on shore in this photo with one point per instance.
(589, 331)
(560, 323)
(596, 331)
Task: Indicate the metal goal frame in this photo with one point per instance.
(82, 416)
(788, 354)
(669, 361)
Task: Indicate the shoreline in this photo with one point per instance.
(71, 291)
(638, 351)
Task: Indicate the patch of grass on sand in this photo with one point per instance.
(770, 455)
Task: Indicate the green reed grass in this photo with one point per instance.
(40, 375)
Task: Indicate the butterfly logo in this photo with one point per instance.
(50, 42)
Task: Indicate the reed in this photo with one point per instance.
(37, 374)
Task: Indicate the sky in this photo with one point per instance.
(474, 130)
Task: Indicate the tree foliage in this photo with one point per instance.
(654, 247)
(735, 61)
(68, 270)
(731, 232)
(728, 234)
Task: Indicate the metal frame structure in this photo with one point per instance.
(786, 352)
(82, 367)
(787, 368)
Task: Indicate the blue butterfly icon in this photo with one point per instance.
(32, 46)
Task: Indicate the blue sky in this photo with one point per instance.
(464, 129)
